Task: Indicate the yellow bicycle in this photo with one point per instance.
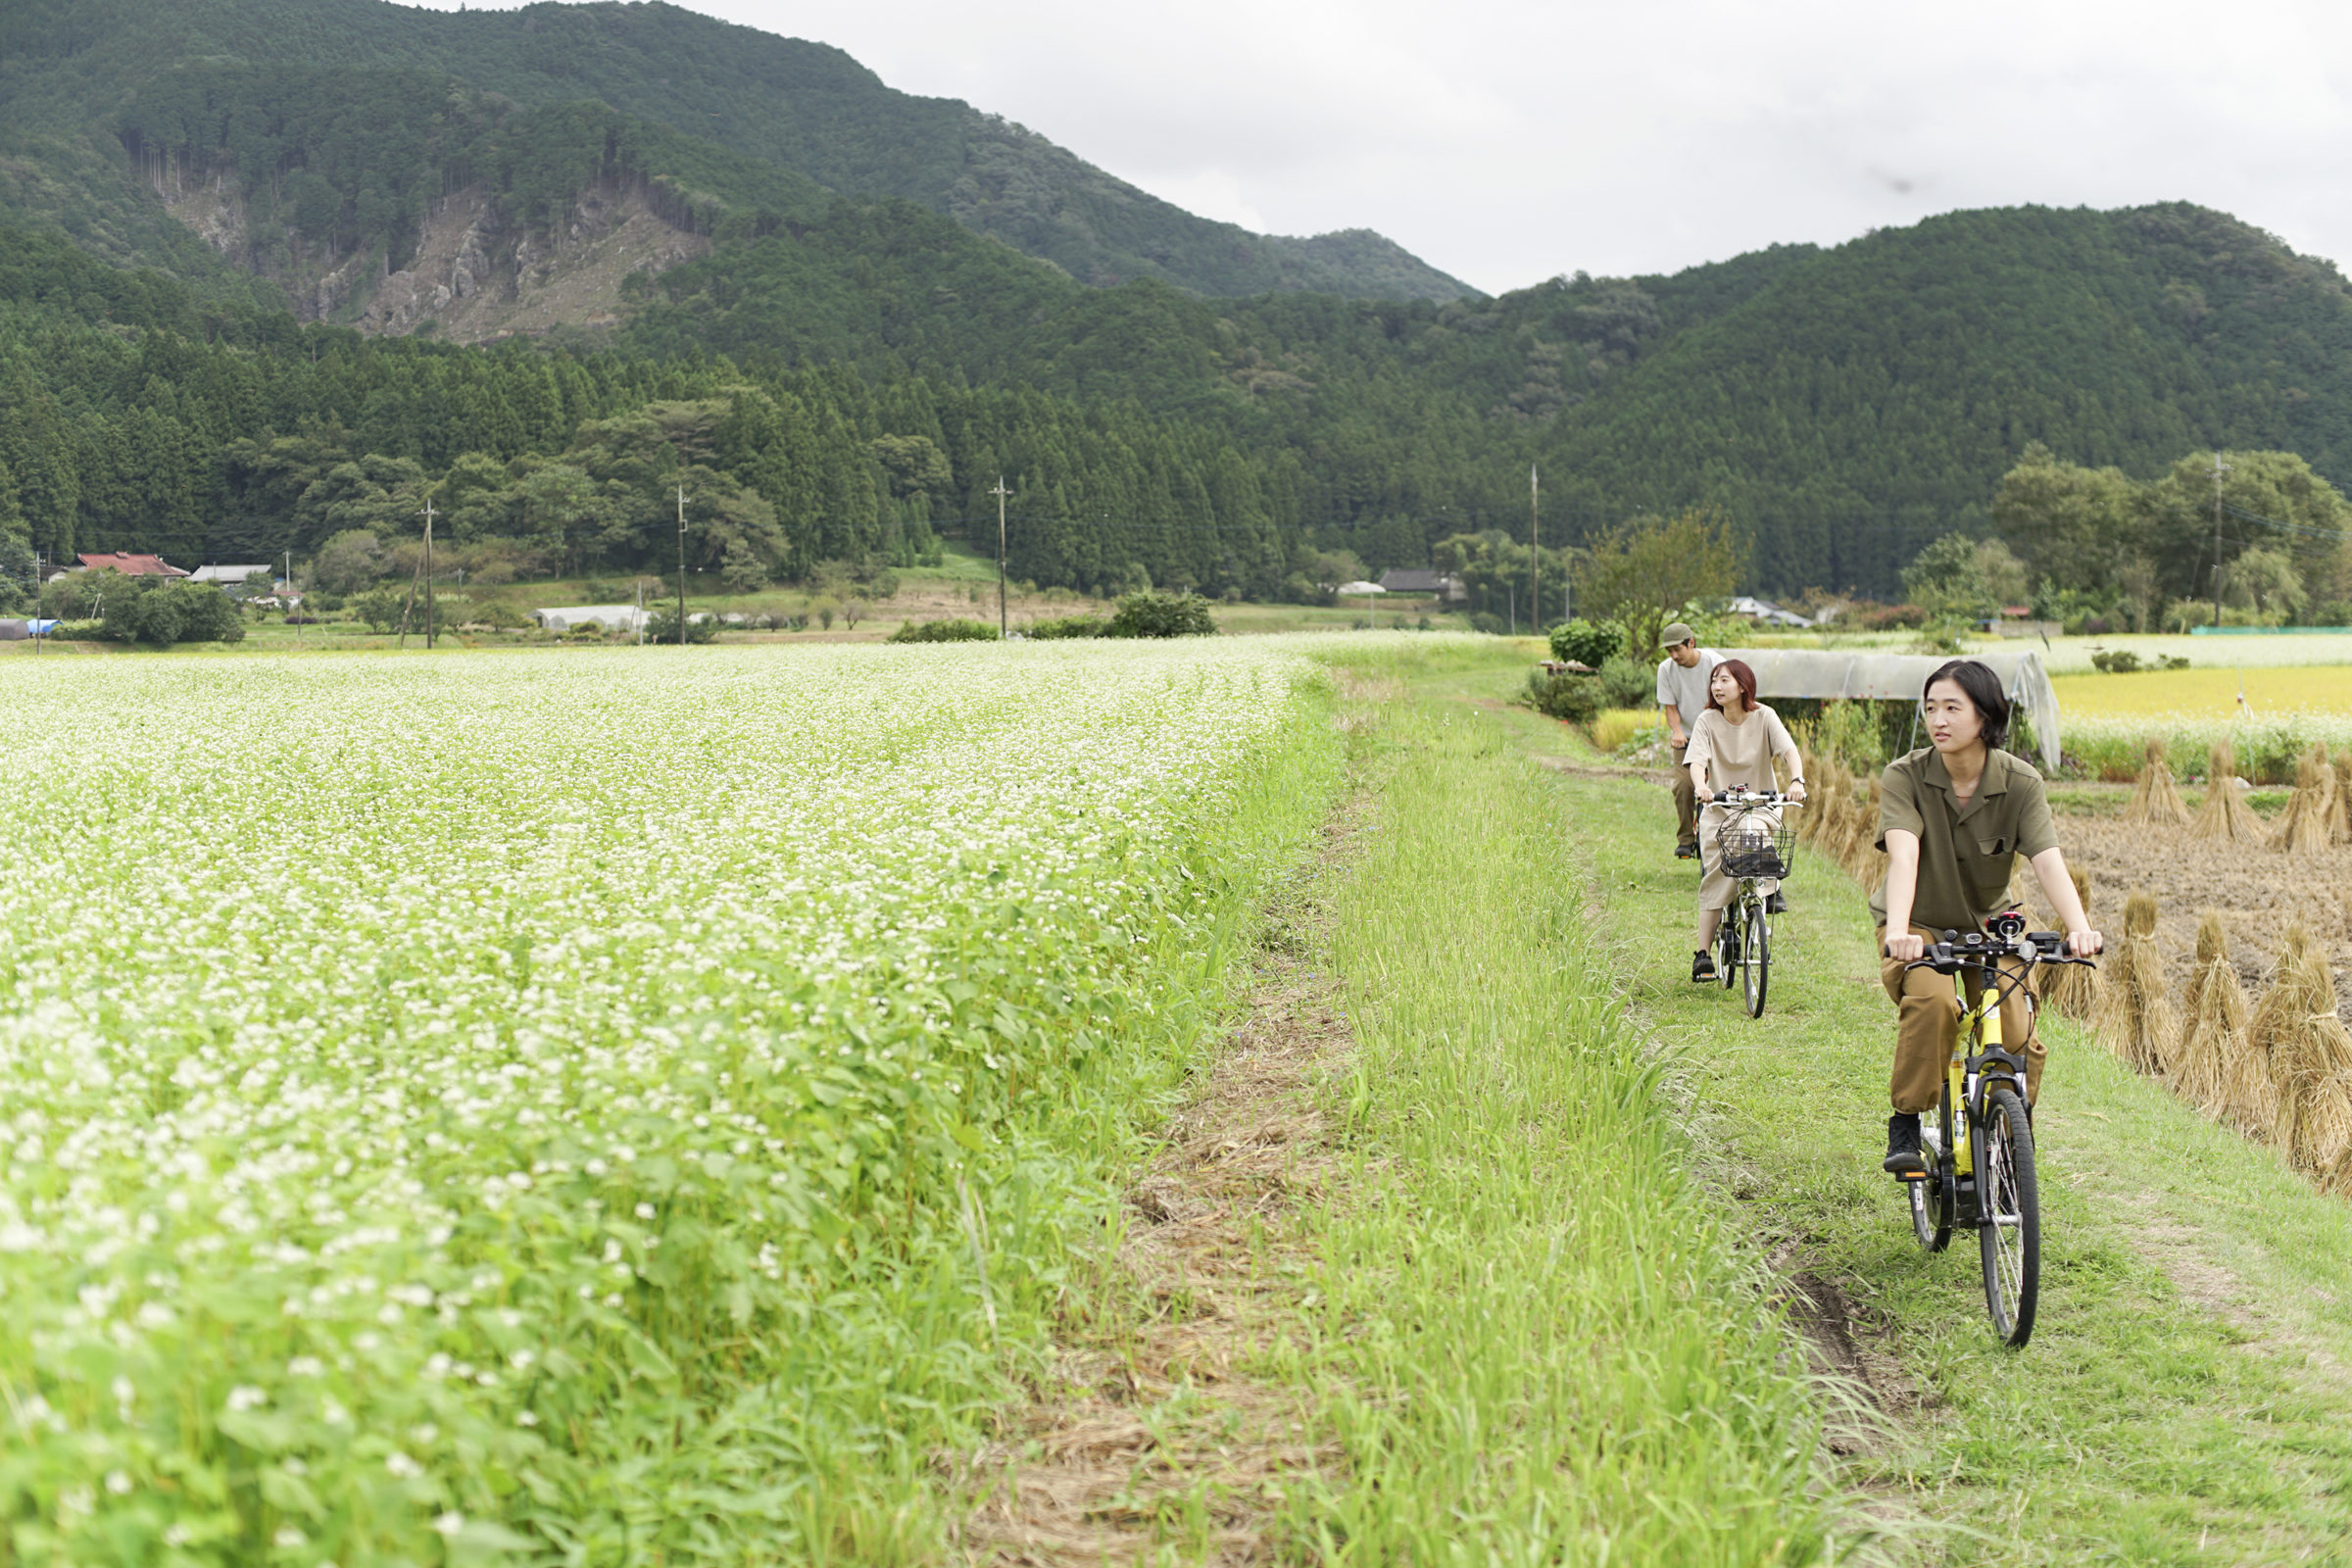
(1980, 1146)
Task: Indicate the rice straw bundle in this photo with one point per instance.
(2308, 823)
(1830, 790)
(2226, 813)
(2342, 826)
(2073, 990)
(1869, 861)
(2310, 1055)
(2213, 1029)
(2153, 797)
(2136, 1015)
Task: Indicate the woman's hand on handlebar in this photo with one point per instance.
(1908, 946)
(1796, 790)
(2085, 943)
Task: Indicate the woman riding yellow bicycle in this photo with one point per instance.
(1953, 817)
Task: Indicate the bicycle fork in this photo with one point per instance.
(1966, 1080)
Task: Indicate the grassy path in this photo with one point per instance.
(1528, 1232)
(2186, 1395)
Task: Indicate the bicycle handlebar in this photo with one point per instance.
(1753, 797)
(1978, 949)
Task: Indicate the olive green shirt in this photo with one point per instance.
(1965, 852)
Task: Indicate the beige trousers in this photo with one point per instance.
(1927, 1008)
(1685, 798)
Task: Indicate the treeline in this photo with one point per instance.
(2260, 536)
(132, 433)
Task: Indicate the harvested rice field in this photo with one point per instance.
(2259, 891)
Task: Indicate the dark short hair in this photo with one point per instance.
(1741, 676)
(1983, 689)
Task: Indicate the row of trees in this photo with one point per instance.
(2266, 537)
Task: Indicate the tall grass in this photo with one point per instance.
(1534, 1342)
(1614, 727)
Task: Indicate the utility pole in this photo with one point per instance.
(293, 605)
(428, 571)
(2219, 468)
(999, 492)
(1534, 556)
(1513, 590)
(681, 566)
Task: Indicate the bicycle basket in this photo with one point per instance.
(1754, 848)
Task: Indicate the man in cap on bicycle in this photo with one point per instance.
(1682, 696)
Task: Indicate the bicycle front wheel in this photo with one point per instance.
(2009, 1229)
(1727, 968)
(1756, 962)
(1931, 1219)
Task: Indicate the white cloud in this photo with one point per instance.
(1506, 141)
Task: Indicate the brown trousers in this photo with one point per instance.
(1685, 798)
(1927, 1009)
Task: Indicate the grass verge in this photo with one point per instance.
(1526, 1333)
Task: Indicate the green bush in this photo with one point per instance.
(1588, 642)
(379, 607)
(1068, 626)
(2123, 661)
(1628, 683)
(503, 615)
(663, 627)
(945, 631)
(162, 613)
(1574, 698)
(1156, 614)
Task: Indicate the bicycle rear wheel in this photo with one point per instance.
(1755, 963)
(2009, 1233)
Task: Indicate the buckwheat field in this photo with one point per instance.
(603, 1108)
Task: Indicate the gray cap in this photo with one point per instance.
(1677, 634)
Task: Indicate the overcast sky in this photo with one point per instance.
(1507, 140)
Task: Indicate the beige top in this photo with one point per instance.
(1740, 756)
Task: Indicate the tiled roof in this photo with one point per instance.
(129, 566)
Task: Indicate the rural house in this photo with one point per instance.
(129, 566)
(1420, 580)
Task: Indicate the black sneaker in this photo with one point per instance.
(1685, 852)
(1774, 904)
(1904, 1157)
(1702, 968)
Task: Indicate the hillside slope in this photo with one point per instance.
(798, 105)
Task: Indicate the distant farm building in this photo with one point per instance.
(230, 576)
(612, 617)
(1447, 587)
(129, 566)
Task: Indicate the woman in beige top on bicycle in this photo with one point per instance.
(1732, 748)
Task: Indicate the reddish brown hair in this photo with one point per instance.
(1741, 676)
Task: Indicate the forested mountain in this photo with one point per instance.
(1844, 406)
(67, 66)
(527, 175)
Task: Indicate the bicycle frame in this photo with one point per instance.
(1968, 1077)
